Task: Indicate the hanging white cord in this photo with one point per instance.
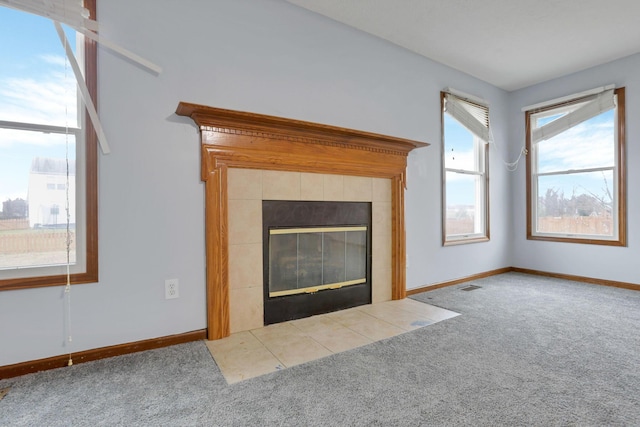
(511, 166)
(67, 289)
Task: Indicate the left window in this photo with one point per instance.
(465, 134)
(48, 156)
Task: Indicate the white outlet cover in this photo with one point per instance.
(171, 288)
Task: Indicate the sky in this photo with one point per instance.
(560, 153)
(459, 144)
(36, 86)
(596, 149)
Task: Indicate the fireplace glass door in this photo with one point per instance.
(311, 259)
(316, 257)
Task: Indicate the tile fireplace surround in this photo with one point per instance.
(246, 190)
(247, 158)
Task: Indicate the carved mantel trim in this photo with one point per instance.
(254, 141)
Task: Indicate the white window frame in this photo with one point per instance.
(533, 135)
(479, 128)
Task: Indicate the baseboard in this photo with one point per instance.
(458, 281)
(591, 280)
(10, 371)
(603, 282)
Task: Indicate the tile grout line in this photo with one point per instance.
(382, 320)
(269, 350)
(386, 321)
(313, 339)
(357, 333)
(348, 328)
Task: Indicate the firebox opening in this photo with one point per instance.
(317, 257)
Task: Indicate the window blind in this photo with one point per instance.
(595, 106)
(75, 15)
(69, 12)
(472, 115)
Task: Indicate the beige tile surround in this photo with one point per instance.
(246, 188)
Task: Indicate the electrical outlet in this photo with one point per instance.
(171, 288)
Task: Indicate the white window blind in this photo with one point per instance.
(595, 106)
(69, 12)
(473, 116)
(75, 15)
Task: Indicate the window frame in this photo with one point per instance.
(619, 173)
(451, 239)
(90, 184)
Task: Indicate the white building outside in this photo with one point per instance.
(47, 193)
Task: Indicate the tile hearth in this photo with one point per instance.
(249, 354)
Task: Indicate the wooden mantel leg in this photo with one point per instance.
(217, 254)
(398, 257)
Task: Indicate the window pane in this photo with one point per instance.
(588, 145)
(33, 184)
(464, 195)
(36, 84)
(459, 146)
(579, 203)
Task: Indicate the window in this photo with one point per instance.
(45, 144)
(465, 133)
(575, 170)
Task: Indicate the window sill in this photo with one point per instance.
(580, 240)
(465, 240)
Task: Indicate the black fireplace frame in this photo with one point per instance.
(288, 214)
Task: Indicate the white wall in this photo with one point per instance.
(603, 262)
(428, 261)
(263, 56)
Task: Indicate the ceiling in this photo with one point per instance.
(509, 43)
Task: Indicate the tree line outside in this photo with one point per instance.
(584, 213)
(14, 209)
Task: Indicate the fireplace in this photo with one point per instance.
(316, 257)
(309, 154)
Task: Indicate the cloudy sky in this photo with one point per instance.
(595, 150)
(36, 86)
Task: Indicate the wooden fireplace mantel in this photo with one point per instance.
(253, 141)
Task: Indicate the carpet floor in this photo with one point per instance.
(526, 350)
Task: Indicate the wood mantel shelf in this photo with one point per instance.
(210, 118)
(254, 141)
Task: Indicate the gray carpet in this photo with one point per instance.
(525, 351)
